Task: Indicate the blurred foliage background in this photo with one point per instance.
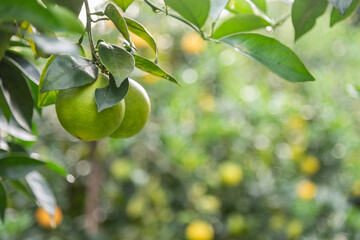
(236, 151)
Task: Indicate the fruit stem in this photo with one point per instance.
(95, 58)
(92, 191)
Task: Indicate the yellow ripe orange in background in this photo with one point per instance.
(306, 190)
(199, 230)
(310, 165)
(231, 174)
(44, 219)
(192, 43)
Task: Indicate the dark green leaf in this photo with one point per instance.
(17, 94)
(15, 166)
(217, 6)
(110, 95)
(124, 4)
(56, 168)
(54, 46)
(4, 107)
(270, 53)
(53, 19)
(336, 16)
(35, 94)
(67, 71)
(195, 12)
(47, 98)
(239, 23)
(150, 67)
(43, 194)
(18, 185)
(141, 31)
(119, 22)
(260, 4)
(118, 61)
(305, 13)
(5, 35)
(3, 202)
(72, 5)
(25, 66)
(341, 5)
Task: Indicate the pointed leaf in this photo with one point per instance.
(195, 12)
(240, 6)
(341, 5)
(336, 16)
(117, 60)
(150, 67)
(72, 5)
(17, 94)
(110, 95)
(43, 194)
(119, 22)
(15, 166)
(260, 4)
(240, 23)
(14, 129)
(123, 4)
(24, 65)
(141, 32)
(3, 202)
(270, 53)
(67, 71)
(305, 13)
(47, 98)
(56, 168)
(5, 35)
(217, 6)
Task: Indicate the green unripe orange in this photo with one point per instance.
(78, 113)
(137, 111)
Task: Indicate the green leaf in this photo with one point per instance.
(138, 29)
(260, 4)
(54, 46)
(341, 5)
(239, 23)
(5, 35)
(56, 168)
(67, 71)
(24, 65)
(336, 16)
(47, 98)
(15, 166)
(18, 185)
(110, 95)
(119, 22)
(150, 67)
(195, 12)
(53, 19)
(43, 194)
(3, 202)
(72, 5)
(123, 4)
(305, 13)
(4, 107)
(118, 61)
(271, 53)
(240, 6)
(13, 128)
(17, 94)
(217, 6)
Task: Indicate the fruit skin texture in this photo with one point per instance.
(44, 219)
(78, 113)
(199, 230)
(137, 111)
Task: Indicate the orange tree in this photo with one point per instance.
(48, 29)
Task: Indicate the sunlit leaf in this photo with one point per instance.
(119, 22)
(217, 6)
(336, 16)
(123, 4)
(341, 5)
(46, 98)
(270, 53)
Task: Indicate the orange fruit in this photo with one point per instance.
(45, 220)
